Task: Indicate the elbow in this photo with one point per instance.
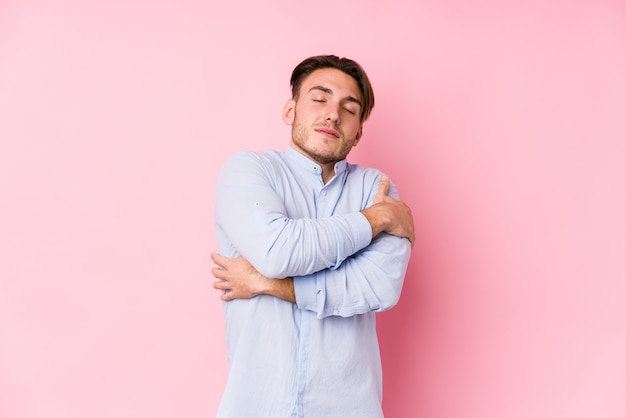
(391, 292)
(394, 283)
(389, 302)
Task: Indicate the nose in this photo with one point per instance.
(332, 114)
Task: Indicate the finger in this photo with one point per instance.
(383, 188)
(221, 285)
(218, 273)
(227, 296)
(219, 259)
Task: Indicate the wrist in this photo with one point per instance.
(281, 288)
(267, 286)
(377, 218)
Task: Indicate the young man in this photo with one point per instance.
(310, 247)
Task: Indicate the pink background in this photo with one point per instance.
(502, 123)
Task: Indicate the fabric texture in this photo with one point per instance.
(318, 358)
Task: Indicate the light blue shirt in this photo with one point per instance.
(318, 358)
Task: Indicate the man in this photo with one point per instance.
(310, 247)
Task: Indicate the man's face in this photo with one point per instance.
(326, 118)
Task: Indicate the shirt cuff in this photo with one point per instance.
(310, 294)
(306, 291)
(361, 230)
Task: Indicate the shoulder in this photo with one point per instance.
(252, 156)
(251, 167)
(369, 177)
(247, 159)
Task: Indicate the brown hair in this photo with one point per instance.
(346, 65)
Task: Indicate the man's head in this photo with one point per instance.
(348, 66)
(331, 98)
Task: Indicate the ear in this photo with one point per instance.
(358, 136)
(289, 112)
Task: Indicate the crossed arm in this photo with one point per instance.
(241, 280)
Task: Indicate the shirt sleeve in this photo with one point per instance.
(371, 280)
(254, 219)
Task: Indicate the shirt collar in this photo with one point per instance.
(307, 164)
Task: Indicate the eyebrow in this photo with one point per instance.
(329, 91)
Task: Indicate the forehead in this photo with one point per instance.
(339, 82)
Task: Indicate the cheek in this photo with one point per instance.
(353, 129)
(304, 110)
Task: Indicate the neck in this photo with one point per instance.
(328, 168)
(328, 173)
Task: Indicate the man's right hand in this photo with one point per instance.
(240, 280)
(389, 215)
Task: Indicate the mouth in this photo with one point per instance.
(328, 132)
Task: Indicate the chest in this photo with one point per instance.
(308, 197)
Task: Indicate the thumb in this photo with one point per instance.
(383, 189)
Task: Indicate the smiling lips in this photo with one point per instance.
(331, 133)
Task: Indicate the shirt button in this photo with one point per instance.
(323, 192)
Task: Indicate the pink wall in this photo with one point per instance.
(503, 124)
